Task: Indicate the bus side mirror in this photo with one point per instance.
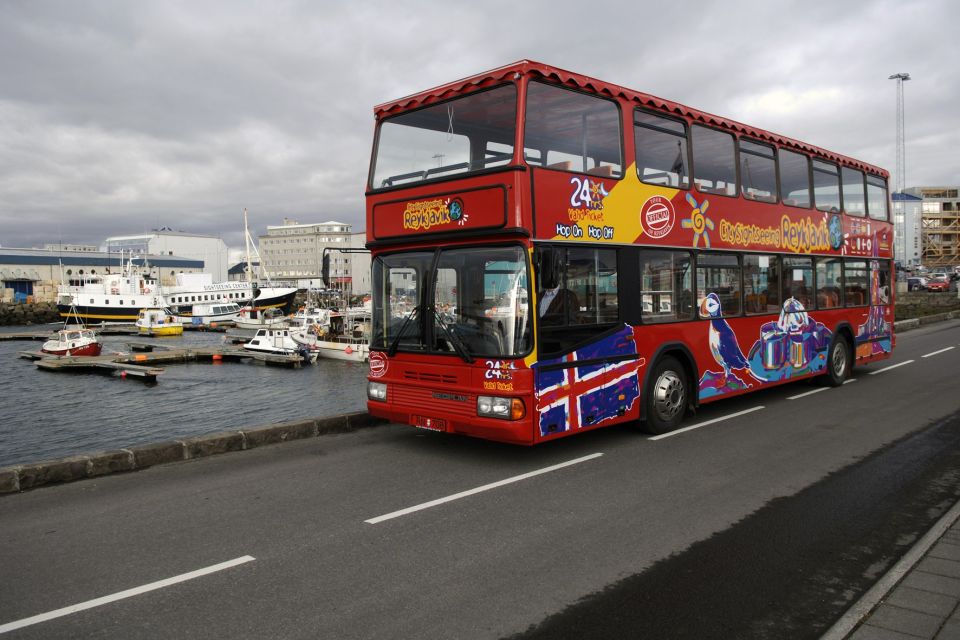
(325, 270)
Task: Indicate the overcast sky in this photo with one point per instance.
(121, 117)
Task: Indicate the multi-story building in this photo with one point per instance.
(293, 252)
(906, 228)
(166, 242)
(940, 225)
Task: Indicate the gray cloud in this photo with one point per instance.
(118, 117)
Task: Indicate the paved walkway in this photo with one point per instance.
(918, 598)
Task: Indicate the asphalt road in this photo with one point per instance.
(765, 525)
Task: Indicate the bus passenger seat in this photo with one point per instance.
(604, 171)
(565, 165)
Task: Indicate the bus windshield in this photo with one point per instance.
(459, 136)
(470, 302)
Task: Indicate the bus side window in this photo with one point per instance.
(577, 295)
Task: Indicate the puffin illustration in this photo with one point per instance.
(723, 341)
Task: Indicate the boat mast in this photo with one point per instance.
(249, 270)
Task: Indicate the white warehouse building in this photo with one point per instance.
(166, 242)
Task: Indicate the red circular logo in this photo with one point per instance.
(378, 364)
(657, 216)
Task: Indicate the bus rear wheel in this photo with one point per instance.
(838, 362)
(666, 397)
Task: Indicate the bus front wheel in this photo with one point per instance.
(838, 362)
(666, 397)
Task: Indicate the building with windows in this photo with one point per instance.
(293, 252)
(37, 273)
(906, 228)
(939, 225)
(212, 251)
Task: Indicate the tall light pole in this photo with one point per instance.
(901, 181)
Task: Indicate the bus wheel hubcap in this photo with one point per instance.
(668, 395)
(839, 360)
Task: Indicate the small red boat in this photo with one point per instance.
(73, 342)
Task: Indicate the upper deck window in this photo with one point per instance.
(794, 178)
(854, 200)
(714, 163)
(826, 186)
(572, 131)
(758, 171)
(459, 136)
(877, 197)
(661, 150)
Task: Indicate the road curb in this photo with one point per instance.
(72, 468)
(913, 323)
(859, 611)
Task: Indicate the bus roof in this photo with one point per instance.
(585, 83)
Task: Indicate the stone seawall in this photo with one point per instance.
(26, 314)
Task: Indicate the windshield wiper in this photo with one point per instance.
(392, 350)
(454, 339)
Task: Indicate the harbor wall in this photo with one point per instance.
(30, 476)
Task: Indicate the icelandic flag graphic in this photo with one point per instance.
(572, 396)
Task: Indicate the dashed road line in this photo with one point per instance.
(486, 487)
(849, 381)
(893, 366)
(703, 424)
(153, 586)
(808, 393)
(936, 352)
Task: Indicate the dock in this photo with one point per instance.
(142, 362)
(101, 363)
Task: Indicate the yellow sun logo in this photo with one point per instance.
(699, 222)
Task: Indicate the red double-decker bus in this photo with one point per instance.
(553, 253)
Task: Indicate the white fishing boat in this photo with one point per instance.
(307, 317)
(251, 319)
(158, 321)
(278, 341)
(73, 341)
(347, 337)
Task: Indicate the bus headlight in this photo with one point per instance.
(377, 391)
(503, 408)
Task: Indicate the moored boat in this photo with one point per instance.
(73, 341)
(251, 318)
(346, 336)
(158, 321)
(210, 313)
(278, 341)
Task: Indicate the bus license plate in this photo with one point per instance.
(434, 424)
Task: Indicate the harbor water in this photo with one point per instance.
(50, 415)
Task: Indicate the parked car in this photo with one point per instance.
(938, 282)
(918, 283)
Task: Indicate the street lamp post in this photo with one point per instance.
(901, 181)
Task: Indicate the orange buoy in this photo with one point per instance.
(140, 358)
(217, 357)
(213, 325)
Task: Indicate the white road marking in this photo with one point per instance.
(849, 381)
(808, 393)
(893, 366)
(936, 352)
(703, 424)
(89, 604)
(486, 487)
